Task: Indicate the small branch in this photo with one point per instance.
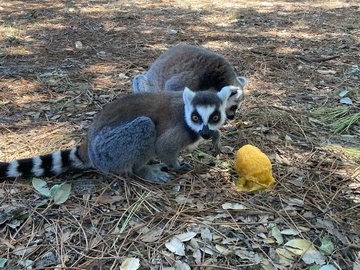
(309, 60)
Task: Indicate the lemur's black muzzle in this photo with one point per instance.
(205, 132)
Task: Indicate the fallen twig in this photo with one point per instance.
(270, 54)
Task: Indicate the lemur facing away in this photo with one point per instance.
(131, 131)
(193, 67)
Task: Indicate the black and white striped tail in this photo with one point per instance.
(46, 165)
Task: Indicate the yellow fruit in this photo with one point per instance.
(254, 169)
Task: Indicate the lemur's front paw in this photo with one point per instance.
(216, 149)
(182, 166)
(154, 173)
(216, 142)
(185, 167)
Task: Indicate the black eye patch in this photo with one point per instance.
(195, 117)
(233, 93)
(233, 108)
(215, 117)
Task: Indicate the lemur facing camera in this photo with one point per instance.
(131, 131)
(196, 68)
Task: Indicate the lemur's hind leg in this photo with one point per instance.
(126, 148)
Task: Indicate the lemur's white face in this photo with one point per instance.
(236, 97)
(234, 101)
(205, 118)
(202, 118)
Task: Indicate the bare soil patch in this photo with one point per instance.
(61, 61)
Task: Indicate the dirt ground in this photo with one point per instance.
(61, 61)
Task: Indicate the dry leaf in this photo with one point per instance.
(181, 199)
(275, 232)
(295, 201)
(48, 259)
(183, 237)
(207, 250)
(327, 246)
(326, 72)
(285, 257)
(179, 265)
(78, 44)
(343, 93)
(250, 256)
(305, 249)
(223, 250)
(346, 100)
(194, 244)
(21, 250)
(206, 235)
(331, 267)
(266, 264)
(269, 240)
(151, 236)
(298, 246)
(197, 256)
(290, 232)
(233, 206)
(107, 199)
(130, 264)
(313, 256)
(176, 246)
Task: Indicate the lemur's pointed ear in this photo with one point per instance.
(225, 92)
(242, 81)
(188, 95)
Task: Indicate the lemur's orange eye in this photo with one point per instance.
(195, 118)
(215, 118)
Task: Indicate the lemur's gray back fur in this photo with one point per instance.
(194, 67)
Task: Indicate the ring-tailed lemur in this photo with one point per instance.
(194, 67)
(131, 131)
